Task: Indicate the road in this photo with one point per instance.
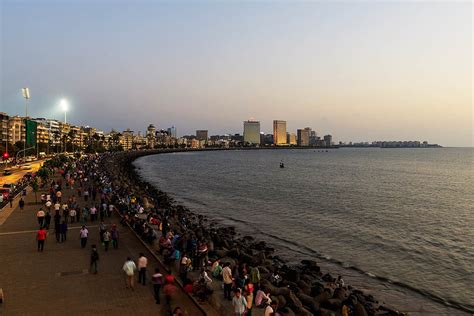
(17, 173)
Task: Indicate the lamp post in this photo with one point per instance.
(26, 95)
(64, 107)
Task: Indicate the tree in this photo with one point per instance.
(43, 173)
(71, 135)
(56, 137)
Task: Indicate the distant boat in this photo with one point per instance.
(282, 165)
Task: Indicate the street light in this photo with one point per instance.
(64, 106)
(26, 95)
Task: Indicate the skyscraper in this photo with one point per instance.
(252, 132)
(303, 137)
(202, 134)
(279, 132)
(328, 140)
(172, 132)
(291, 139)
(150, 135)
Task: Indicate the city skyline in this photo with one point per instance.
(355, 71)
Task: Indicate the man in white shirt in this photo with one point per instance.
(40, 215)
(142, 264)
(227, 277)
(83, 234)
(129, 268)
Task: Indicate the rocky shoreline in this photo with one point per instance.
(304, 289)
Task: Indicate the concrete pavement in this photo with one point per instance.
(57, 281)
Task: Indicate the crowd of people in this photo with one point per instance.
(186, 248)
(83, 195)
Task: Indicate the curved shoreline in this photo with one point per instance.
(127, 164)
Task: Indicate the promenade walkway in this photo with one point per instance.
(57, 281)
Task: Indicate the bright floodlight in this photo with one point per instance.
(64, 105)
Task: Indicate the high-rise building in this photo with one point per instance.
(303, 137)
(279, 132)
(252, 132)
(4, 127)
(313, 138)
(16, 129)
(291, 138)
(172, 132)
(150, 136)
(127, 139)
(42, 131)
(202, 134)
(327, 140)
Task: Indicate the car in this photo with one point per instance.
(26, 167)
(7, 172)
(10, 186)
(5, 193)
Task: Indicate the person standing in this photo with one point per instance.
(94, 260)
(48, 204)
(57, 207)
(142, 264)
(129, 268)
(83, 234)
(110, 210)
(57, 220)
(239, 303)
(85, 215)
(227, 277)
(63, 231)
(47, 220)
(58, 196)
(169, 289)
(65, 210)
(115, 235)
(249, 299)
(78, 214)
(184, 265)
(21, 203)
(106, 236)
(40, 215)
(102, 229)
(157, 280)
(93, 211)
(40, 238)
(72, 215)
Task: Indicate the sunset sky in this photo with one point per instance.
(357, 70)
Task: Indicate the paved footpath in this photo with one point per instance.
(56, 281)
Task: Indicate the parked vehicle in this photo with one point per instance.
(10, 186)
(7, 172)
(5, 193)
